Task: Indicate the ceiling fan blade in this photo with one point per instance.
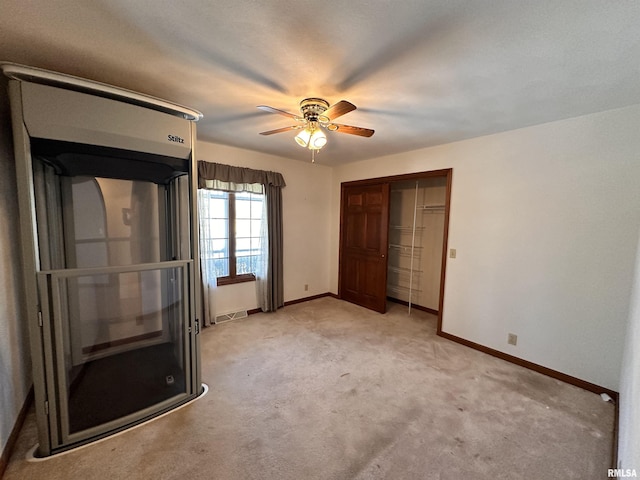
(338, 109)
(280, 130)
(266, 108)
(361, 132)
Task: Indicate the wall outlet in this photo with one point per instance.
(512, 339)
(306, 287)
(452, 253)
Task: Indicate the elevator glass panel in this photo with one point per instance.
(121, 349)
(115, 222)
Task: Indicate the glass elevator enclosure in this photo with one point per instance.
(106, 183)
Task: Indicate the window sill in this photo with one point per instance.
(249, 277)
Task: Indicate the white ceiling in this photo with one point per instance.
(422, 72)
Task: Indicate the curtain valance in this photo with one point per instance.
(219, 172)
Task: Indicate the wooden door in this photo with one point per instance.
(364, 238)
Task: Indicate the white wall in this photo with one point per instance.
(15, 366)
(306, 224)
(545, 222)
(629, 433)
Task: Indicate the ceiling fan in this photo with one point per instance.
(316, 115)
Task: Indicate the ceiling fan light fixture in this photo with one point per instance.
(318, 140)
(311, 137)
(303, 137)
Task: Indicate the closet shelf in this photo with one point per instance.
(404, 270)
(407, 253)
(401, 289)
(405, 229)
(431, 208)
(404, 247)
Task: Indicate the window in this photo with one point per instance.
(233, 223)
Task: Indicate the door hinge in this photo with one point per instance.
(46, 407)
(197, 326)
(40, 319)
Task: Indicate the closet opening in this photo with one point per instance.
(416, 235)
(393, 241)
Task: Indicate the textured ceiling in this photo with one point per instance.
(421, 72)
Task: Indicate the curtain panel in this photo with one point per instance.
(270, 286)
(208, 279)
(269, 277)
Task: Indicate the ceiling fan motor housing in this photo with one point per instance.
(313, 108)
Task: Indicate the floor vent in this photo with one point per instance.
(227, 317)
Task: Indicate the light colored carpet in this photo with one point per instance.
(328, 390)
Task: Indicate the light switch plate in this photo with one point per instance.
(452, 253)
